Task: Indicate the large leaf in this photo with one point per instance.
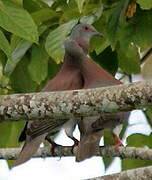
(70, 14)
(137, 140)
(20, 46)
(43, 15)
(9, 134)
(55, 40)
(129, 60)
(105, 58)
(20, 2)
(116, 21)
(15, 19)
(143, 140)
(137, 30)
(93, 16)
(145, 4)
(20, 78)
(134, 163)
(38, 66)
(99, 44)
(107, 162)
(90, 13)
(4, 44)
(108, 140)
(1, 63)
(31, 5)
(3, 79)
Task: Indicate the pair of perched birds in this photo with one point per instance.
(77, 72)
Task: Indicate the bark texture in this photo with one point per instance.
(109, 151)
(144, 173)
(68, 104)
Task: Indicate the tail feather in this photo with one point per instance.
(29, 149)
(88, 146)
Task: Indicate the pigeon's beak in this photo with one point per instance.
(96, 33)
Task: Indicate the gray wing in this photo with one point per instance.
(35, 135)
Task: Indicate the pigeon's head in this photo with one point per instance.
(84, 32)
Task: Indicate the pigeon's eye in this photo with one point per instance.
(86, 28)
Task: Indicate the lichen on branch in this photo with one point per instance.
(76, 103)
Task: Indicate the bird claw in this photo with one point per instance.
(53, 145)
(76, 142)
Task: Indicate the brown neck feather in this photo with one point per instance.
(71, 61)
(83, 44)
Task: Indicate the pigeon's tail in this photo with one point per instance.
(88, 146)
(29, 149)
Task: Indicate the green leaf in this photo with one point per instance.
(19, 47)
(105, 58)
(143, 140)
(108, 137)
(20, 2)
(136, 30)
(55, 40)
(80, 4)
(145, 4)
(15, 19)
(31, 5)
(124, 128)
(137, 140)
(94, 16)
(129, 60)
(20, 79)
(9, 134)
(70, 14)
(107, 162)
(148, 113)
(3, 79)
(4, 44)
(53, 68)
(1, 64)
(43, 15)
(139, 29)
(18, 52)
(2, 58)
(90, 13)
(99, 44)
(116, 21)
(134, 163)
(38, 66)
(108, 140)
(4, 88)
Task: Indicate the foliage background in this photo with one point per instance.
(32, 33)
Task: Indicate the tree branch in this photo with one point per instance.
(69, 104)
(137, 174)
(109, 151)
